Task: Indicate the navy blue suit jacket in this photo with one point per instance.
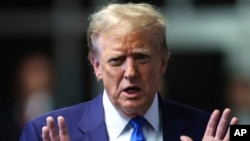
(85, 122)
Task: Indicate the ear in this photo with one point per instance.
(164, 61)
(97, 67)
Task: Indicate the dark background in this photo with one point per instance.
(57, 28)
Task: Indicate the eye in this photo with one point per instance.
(142, 58)
(116, 61)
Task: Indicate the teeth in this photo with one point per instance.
(131, 90)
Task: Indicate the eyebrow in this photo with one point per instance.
(120, 52)
(142, 50)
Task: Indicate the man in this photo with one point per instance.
(129, 55)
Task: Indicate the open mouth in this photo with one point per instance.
(132, 90)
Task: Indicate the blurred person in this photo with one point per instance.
(239, 98)
(32, 89)
(128, 51)
(35, 86)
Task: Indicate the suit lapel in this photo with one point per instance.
(92, 123)
(173, 123)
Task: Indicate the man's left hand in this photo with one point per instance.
(217, 128)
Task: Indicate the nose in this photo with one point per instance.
(130, 69)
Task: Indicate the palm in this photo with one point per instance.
(217, 128)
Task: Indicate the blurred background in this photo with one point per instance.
(44, 56)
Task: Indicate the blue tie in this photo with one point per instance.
(137, 124)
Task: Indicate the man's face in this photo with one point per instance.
(130, 67)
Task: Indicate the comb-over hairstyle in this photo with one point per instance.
(123, 19)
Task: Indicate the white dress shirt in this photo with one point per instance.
(119, 129)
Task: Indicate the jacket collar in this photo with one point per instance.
(92, 123)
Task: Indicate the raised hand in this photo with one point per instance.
(51, 133)
(217, 128)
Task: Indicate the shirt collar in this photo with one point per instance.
(116, 122)
(152, 115)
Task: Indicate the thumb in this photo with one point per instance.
(185, 138)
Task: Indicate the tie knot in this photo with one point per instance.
(137, 122)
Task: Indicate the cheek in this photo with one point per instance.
(112, 79)
(151, 75)
(112, 74)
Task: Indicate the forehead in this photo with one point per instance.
(135, 40)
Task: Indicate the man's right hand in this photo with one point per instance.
(50, 132)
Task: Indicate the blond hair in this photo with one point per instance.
(128, 18)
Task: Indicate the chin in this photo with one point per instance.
(131, 110)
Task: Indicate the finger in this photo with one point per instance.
(212, 123)
(223, 124)
(185, 138)
(233, 122)
(63, 131)
(45, 133)
(52, 129)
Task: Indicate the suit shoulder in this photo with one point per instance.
(72, 115)
(189, 120)
(74, 112)
(183, 109)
